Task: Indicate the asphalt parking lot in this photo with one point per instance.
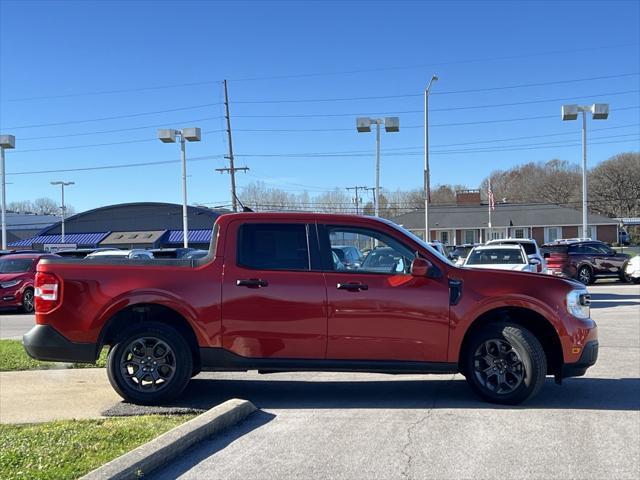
(325, 425)
(13, 324)
(377, 426)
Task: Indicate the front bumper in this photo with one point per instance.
(43, 342)
(587, 359)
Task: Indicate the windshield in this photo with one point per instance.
(419, 241)
(16, 265)
(495, 256)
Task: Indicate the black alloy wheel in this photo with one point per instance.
(150, 364)
(505, 363)
(584, 275)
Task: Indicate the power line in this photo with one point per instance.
(429, 65)
(116, 117)
(450, 92)
(246, 79)
(123, 165)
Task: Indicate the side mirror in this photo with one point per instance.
(421, 267)
(534, 261)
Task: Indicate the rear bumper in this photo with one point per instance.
(587, 359)
(43, 342)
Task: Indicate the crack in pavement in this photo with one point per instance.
(411, 428)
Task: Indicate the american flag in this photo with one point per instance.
(492, 203)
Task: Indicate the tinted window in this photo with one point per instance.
(495, 256)
(15, 265)
(273, 246)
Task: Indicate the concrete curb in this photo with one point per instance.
(169, 445)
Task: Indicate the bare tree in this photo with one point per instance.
(45, 206)
(614, 186)
(20, 206)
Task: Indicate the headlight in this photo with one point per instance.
(10, 283)
(578, 302)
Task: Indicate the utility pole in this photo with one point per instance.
(231, 170)
(372, 190)
(357, 198)
(63, 208)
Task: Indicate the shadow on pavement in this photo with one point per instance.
(578, 393)
(610, 300)
(206, 448)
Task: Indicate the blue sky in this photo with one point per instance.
(59, 58)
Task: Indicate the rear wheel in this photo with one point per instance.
(505, 363)
(150, 364)
(585, 275)
(27, 301)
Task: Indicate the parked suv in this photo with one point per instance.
(584, 260)
(530, 246)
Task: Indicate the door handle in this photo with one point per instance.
(252, 283)
(354, 287)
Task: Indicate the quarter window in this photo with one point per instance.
(273, 246)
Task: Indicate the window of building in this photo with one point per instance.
(444, 237)
(551, 234)
(273, 246)
(520, 233)
(591, 232)
(470, 236)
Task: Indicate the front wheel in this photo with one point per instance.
(505, 363)
(150, 364)
(27, 301)
(584, 275)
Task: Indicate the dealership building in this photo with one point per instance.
(128, 225)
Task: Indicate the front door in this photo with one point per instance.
(273, 302)
(377, 309)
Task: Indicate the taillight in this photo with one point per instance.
(47, 292)
(539, 267)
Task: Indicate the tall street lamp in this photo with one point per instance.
(6, 141)
(62, 206)
(191, 135)
(599, 111)
(391, 124)
(427, 174)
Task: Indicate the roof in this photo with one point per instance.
(504, 215)
(501, 246)
(74, 238)
(29, 221)
(29, 255)
(128, 238)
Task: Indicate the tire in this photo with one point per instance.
(27, 301)
(162, 351)
(585, 275)
(636, 280)
(505, 363)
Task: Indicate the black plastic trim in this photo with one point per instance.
(43, 342)
(455, 291)
(219, 359)
(588, 358)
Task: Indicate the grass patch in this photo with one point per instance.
(68, 449)
(13, 357)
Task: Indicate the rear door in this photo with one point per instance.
(273, 301)
(379, 311)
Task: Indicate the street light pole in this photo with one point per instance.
(377, 195)
(427, 173)
(191, 135)
(599, 111)
(62, 207)
(391, 124)
(6, 141)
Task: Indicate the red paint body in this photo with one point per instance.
(11, 297)
(301, 314)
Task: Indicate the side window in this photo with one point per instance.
(377, 252)
(267, 246)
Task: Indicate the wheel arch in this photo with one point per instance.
(533, 321)
(142, 312)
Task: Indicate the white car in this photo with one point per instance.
(633, 269)
(501, 257)
(137, 253)
(530, 247)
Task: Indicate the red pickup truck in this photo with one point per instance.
(273, 296)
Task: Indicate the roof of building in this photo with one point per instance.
(29, 221)
(129, 238)
(504, 215)
(92, 238)
(194, 236)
